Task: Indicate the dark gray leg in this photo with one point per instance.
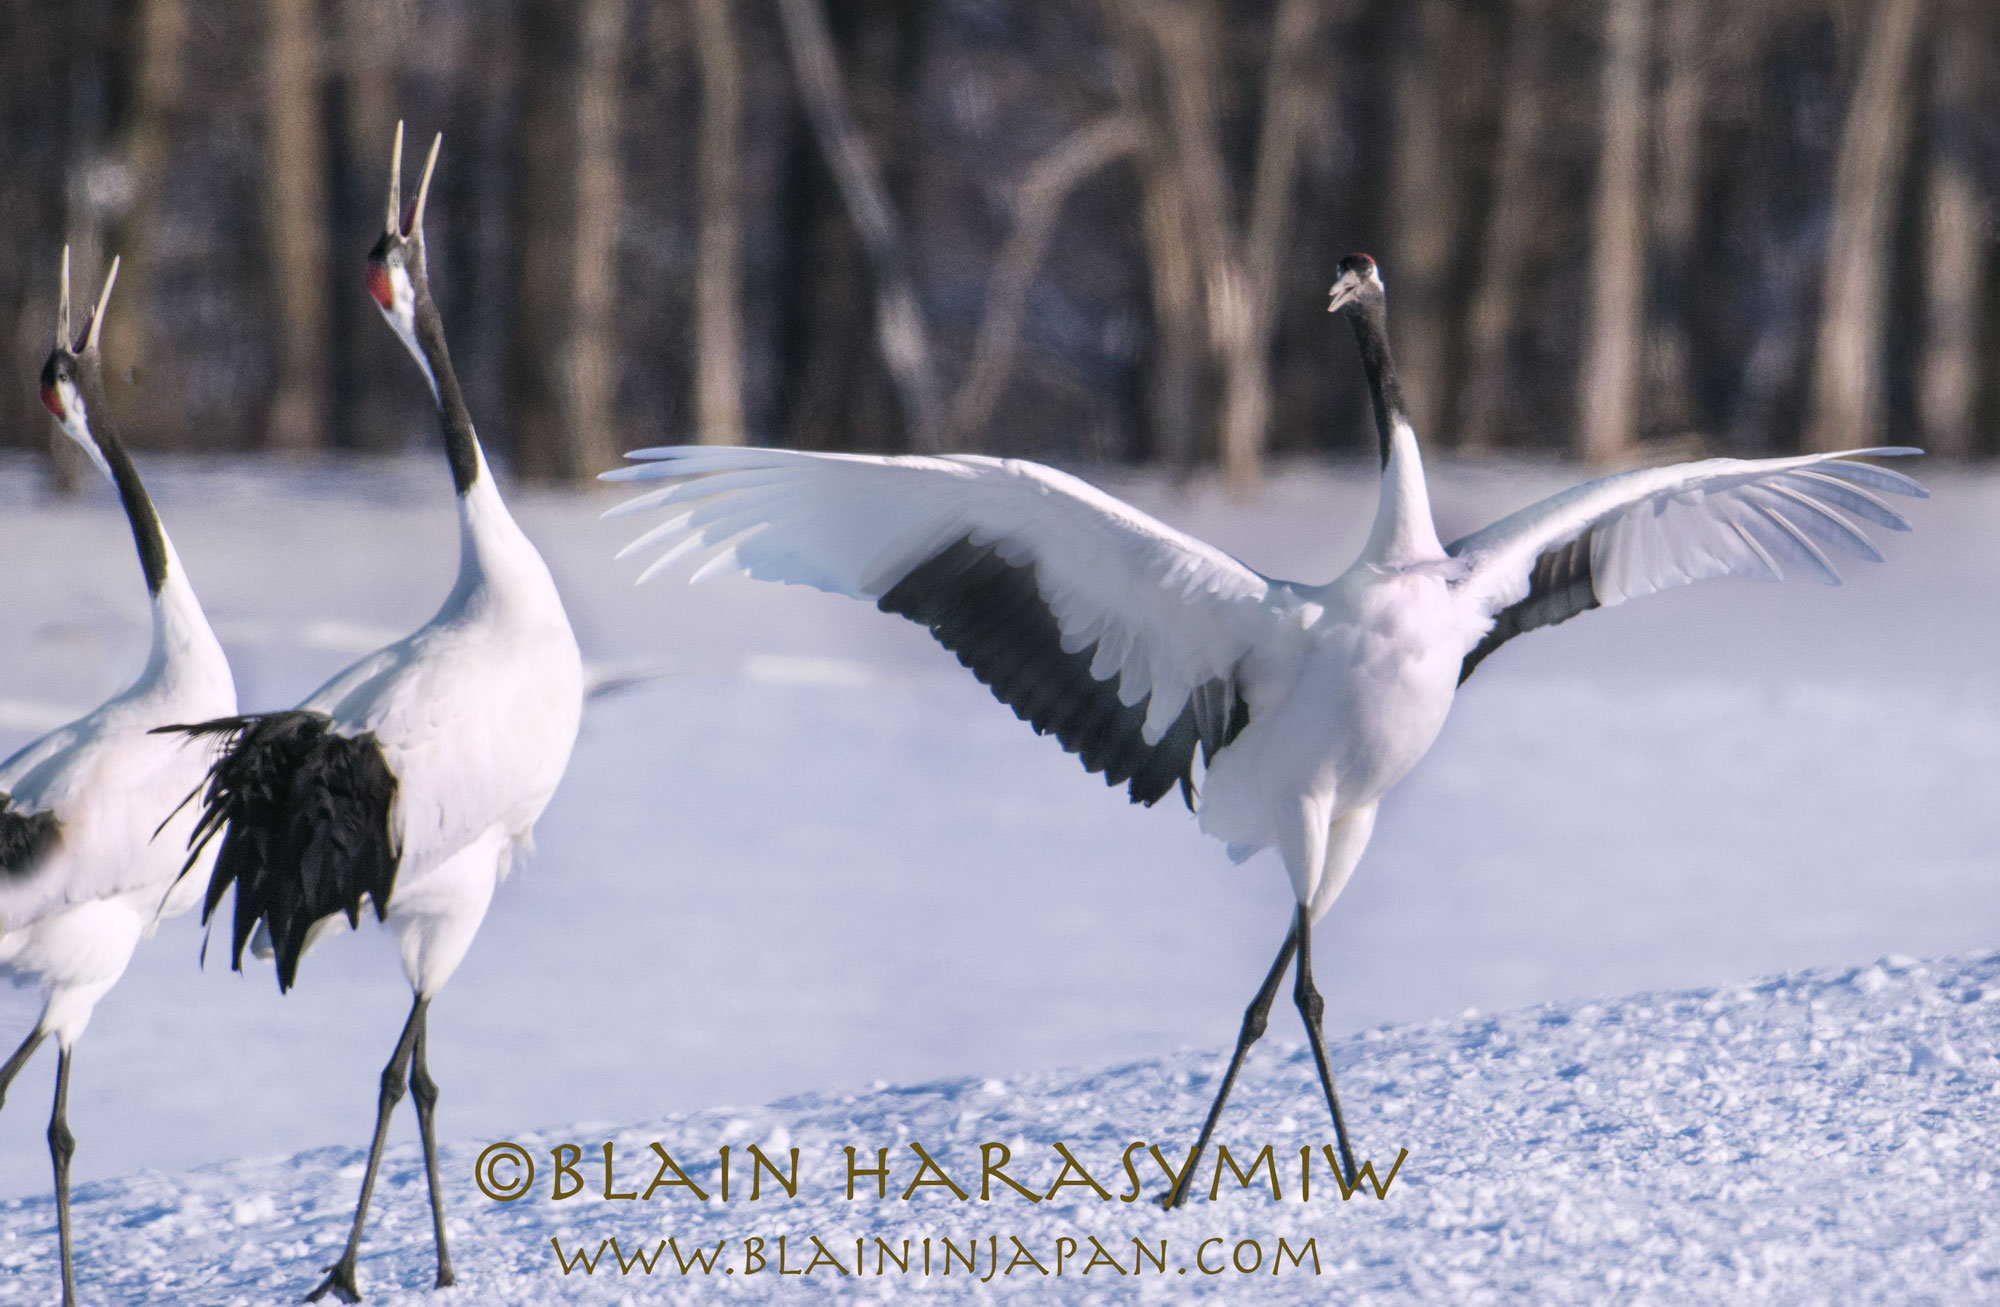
(339, 1280)
(20, 1059)
(1254, 1019)
(425, 1091)
(1312, 1007)
(62, 1147)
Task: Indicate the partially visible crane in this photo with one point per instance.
(82, 878)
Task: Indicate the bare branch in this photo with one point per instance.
(899, 318)
(1048, 184)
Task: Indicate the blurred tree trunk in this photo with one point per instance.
(899, 318)
(1847, 389)
(1174, 371)
(1954, 243)
(158, 60)
(1424, 202)
(1670, 404)
(564, 379)
(1511, 218)
(1237, 263)
(1288, 104)
(718, 273)
(1610, 383)
(594, 443)
(366, 412)
(295, 223)
(87, 126)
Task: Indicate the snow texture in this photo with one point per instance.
(1821, 1136)
(815, 854)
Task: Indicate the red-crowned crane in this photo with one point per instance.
(82, 878)
(1138, 646)
(408, 782)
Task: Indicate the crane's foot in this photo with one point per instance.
(339, 1282)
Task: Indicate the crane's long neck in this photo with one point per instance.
(461, 443)
(155, 554)
(496, 561)
(186, 660)
(1403, 531)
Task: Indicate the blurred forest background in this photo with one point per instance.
(1071, 229)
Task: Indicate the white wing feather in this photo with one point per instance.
(1166, 612)
(1658, 528)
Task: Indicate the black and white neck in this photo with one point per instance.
(461, 442)
(73, 390)
(496, 559)
(399, 281)
(1403, 531)
(185, 654)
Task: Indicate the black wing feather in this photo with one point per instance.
(992, 615)
(1559, 588)
(308, 834)
(24, 837)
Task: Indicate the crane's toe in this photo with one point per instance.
(339, 1282)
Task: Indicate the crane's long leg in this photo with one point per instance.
(1254, 1019)
(425, 1091)
(20, 1059)
(1312, 1007)
(339, 1279)
(62, 1147)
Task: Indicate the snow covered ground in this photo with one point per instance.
(815, 855)
(1816, 1137)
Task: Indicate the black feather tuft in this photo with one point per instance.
(24, 838)
(992, 615)
(307, 815)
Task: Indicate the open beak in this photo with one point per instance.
(1343, 294)
(409, 225)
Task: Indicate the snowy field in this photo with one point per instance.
(1823, 1136)
(814, 856)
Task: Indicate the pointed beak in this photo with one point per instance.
(392, 225)
(62, 309)
(416, 232)
(95, 326)
(1342, 294)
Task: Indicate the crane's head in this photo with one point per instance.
(75, 366)
(1358, 277)
(396, 273)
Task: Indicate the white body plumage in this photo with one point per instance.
(475, 713)
(71, 921)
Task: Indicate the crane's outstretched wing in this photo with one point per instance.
(1091, 620)
(1628, 535)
